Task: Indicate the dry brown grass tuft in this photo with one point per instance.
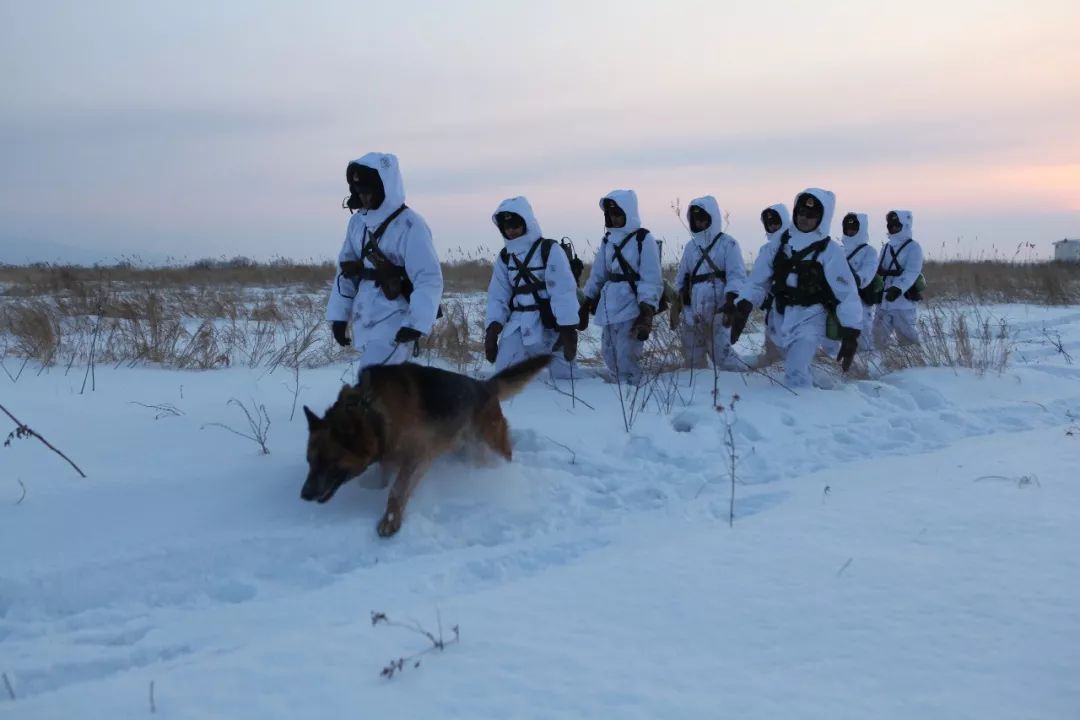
(169, 328)
(458, 337)
(955, 337)
(48, 279)
(218, 313)
(32, 331)
(1047, 283)
(466, 276)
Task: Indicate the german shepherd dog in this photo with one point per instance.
(404, 417)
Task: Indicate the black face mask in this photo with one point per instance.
(770, 219)
(614, 216)
(893, 224)
(700, 220)
(810, 209)
(363, 180)
(851, 225)
(509, 220)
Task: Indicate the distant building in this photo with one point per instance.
(1067, 250)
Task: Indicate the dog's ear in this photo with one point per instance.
(343, 392)
(347, 397)
(314, 422)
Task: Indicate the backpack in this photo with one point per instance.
(875, 289)
(873, 293)
(577, 266)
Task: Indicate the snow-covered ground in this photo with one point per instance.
(905, 547)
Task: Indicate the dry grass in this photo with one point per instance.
(219, 313)
(661, 385)
(33, 331)
(955, 337)
(458, 337)
(1047, 283)
(173, 329)
(48, 279)
(1051, 283)
(466, 276)
(202, 280)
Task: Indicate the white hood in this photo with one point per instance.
(905, 220)
(386, 164)
(850, 243)
(520, 206)
(799, 240)
(708, 204)
(785, 221)
(627, 200)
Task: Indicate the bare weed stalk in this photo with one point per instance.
(24, 431)
(436, 639)
(258, 424)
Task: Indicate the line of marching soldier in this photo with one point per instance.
(817, 293)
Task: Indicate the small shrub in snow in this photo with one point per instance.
(956, 337)
(437, 641)
(1055, 341)
(258, 424)
(454, 338)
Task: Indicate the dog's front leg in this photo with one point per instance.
(386, 471)
(408, 475)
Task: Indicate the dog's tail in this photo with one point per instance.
(513, 379)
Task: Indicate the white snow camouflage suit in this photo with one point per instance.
(616, 298)
(406, 242)
(862, 258)
(758, 285)
(905, 260)
(803, 327)
(523, 335)
(711, 266)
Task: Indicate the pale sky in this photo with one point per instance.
(191, 129)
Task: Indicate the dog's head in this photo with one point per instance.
(341, 445)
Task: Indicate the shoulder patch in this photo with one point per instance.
(384, 162)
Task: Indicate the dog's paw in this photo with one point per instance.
(390, 523)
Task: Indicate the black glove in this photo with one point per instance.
(892, 293)
(351, 269)
(849, 342)
(727, 310)
(407, 334)
(583, 317)
(590, 305)
(740, 314)
(674, 313)
(491, 341)
(568, 341)
(642, 326)
(338, 328)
